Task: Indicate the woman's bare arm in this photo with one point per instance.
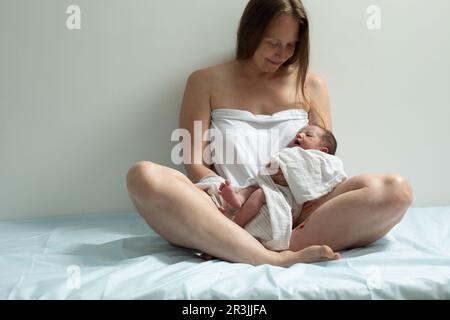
(317, 92)
(196, 107)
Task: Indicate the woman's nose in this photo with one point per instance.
(281, 52)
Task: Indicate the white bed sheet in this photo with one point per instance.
(117, 256)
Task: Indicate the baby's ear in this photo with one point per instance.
(324, 149)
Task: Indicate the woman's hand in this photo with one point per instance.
(278, 178)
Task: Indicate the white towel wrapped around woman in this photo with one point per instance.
(310, 174)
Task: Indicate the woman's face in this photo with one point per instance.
(278, 43)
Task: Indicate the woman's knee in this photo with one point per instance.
(393, 194)
(150, 178)
(397, 190)
(142, 176)
(392, 189)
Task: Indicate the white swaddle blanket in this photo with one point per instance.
(310, 174)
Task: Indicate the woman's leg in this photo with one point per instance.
(356, 213)
(185, 216)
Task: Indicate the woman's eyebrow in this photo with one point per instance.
(275, 38)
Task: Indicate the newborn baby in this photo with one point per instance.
(249, 200)
(268, 211)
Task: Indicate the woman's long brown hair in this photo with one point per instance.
(256, 18)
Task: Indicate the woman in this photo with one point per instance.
(267, 79)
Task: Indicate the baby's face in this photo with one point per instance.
(308, 138)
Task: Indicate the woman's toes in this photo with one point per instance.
(206, 257)
(328, 253)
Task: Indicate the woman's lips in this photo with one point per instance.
(274, 63)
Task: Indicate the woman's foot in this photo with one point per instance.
(308, 255)
(206, 257)
(226, 191)
(288, 258)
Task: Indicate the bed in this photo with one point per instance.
(117, 256)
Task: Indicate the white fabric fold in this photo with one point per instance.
(273, 224)
(310, 174)
(211, 185)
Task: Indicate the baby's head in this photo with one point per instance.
(315, 137)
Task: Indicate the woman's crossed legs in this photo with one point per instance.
(185, 216)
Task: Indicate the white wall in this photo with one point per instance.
(389, 88)
(78, 108)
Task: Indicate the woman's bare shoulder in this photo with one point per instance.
(314, 83)
(199, 91)
(212, 73)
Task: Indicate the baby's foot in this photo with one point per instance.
(308, 255)
(234, 199)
